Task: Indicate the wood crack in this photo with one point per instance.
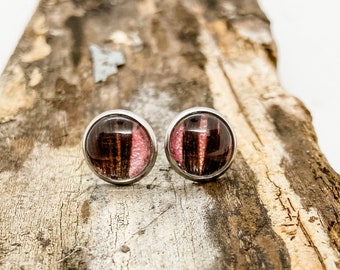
(305, 232)
(143, 229)
(239, 102)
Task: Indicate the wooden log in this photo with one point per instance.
(277, 207)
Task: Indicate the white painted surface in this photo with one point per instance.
(307, 34)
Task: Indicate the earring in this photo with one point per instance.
(200, 144)
(119, 147)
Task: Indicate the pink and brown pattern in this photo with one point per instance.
(118, 147)
(201, 144)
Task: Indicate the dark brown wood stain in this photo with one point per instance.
(312, 184)
(75, 25)
(239, 223)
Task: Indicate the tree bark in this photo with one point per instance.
(277, 207)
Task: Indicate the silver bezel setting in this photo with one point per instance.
(148, 129)
(174, 164)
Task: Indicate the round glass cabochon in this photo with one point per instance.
(118, 147)
(201, 145)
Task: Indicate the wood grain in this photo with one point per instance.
(277, 207)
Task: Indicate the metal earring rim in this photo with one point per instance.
(140, 121)
(174, 164)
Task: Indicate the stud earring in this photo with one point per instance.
(200, 144)
(119, 147)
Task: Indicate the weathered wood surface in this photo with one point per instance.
(276, 208)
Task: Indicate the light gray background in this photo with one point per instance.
(307, 33)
